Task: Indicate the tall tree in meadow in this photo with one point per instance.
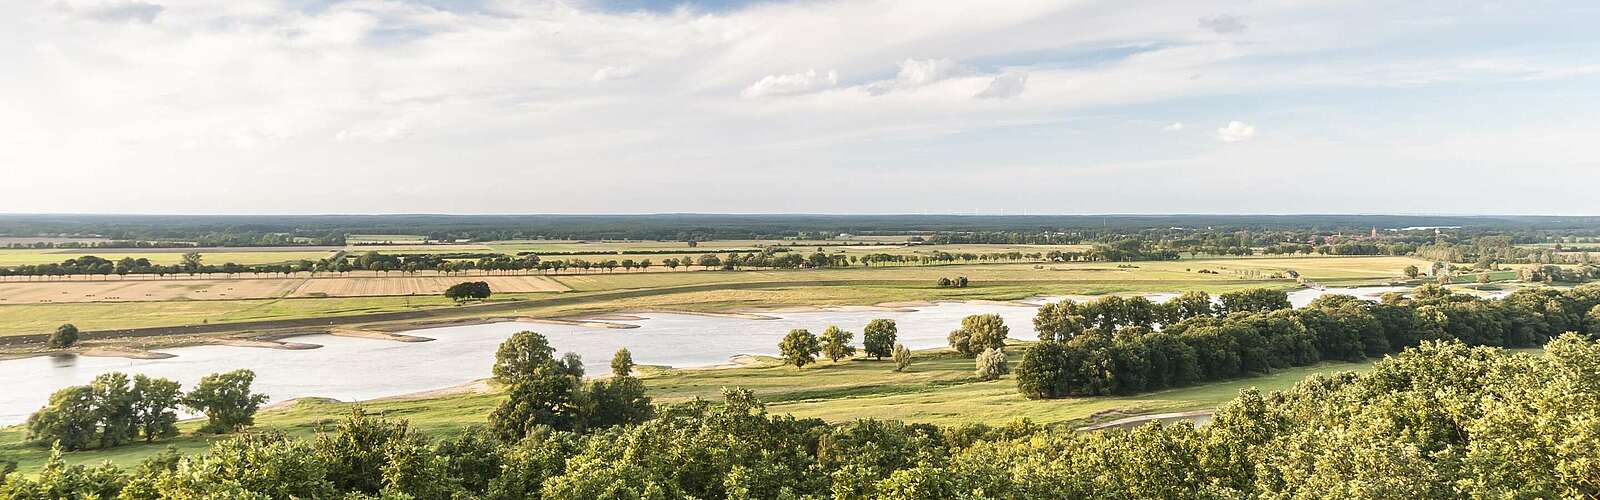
(836, 343)
(226, 401)
(155, 400)
(878, 338)
(799, 348)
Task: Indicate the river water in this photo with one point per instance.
(351, 369)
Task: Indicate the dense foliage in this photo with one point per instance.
(470, 290)
(1113, 346)
(1442, 420)
(112, 411)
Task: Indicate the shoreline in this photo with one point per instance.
(611, 319)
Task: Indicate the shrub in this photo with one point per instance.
(992, 364)
(64, 336)
(902, 357)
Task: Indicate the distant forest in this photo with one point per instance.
(275, 230)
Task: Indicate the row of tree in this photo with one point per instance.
(1439, 421)
(114, 410)
(801, 347)
(1113, 346)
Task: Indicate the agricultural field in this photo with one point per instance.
(166, 256)
(148, 290)
(939, 388)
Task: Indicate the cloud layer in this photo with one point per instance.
(875, 106)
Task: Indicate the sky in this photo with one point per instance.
(798, 106)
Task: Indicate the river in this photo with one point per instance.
(353, 369)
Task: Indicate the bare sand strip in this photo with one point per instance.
(1198, 416)
(265, 344)
(124, 352)
(577, 322)
(733, 315)
(376, 335)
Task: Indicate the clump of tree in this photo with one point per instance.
(878, 338)
(543, 391)
(979, 332)
(836, 344)
(109, 412)
(902, 357)
(958, 282)
(65, 336)
(470, 290)
(799, 348)
(1107, 347)
(226, 400)
(991, 364)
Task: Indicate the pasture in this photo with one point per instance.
(939, 387)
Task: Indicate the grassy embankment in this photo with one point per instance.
(938, 388)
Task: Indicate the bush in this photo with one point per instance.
(902, 357)
(471, 290)
(992, 364)
(64, 336)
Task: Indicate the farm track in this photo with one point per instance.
(312, 325)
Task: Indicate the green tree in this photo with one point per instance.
(979, 332)
(70, 420)
(1412, 272)
(191, 261)
(799, 348)
(541, 390)
(991, 364)
(226, 401)
(155, 402)
(878, 338)
(114, 401)
(65, 336)
(470, 290)
(902, 357)
(622, 363)
(836, 343)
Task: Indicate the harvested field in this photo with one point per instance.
(143, 290)
(420, 285)
(253, 288)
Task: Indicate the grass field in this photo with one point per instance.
(938, 388)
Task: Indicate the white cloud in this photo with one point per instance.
(1236, 131)
(1008, 84)
(916, 73)
(112, 10)
(1224, 24)
(794, 83)
(278, 87)
(1174, 127)
(609, 73)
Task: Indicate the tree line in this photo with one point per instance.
(1126, 346)
(1441, 420)
(114, 410)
